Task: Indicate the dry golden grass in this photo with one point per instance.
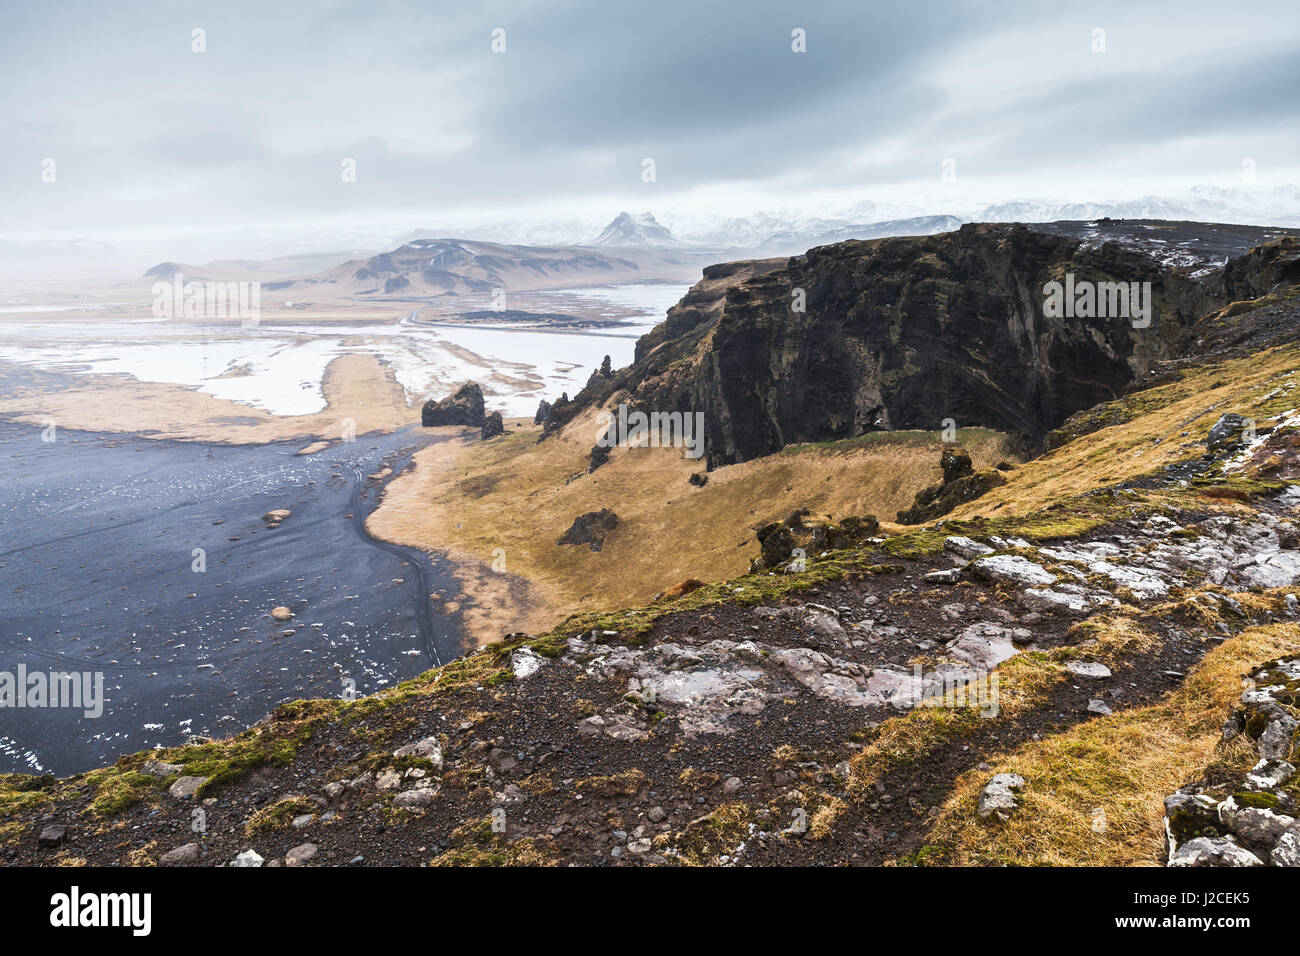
(1117, 769)
(356, 386)
(470, 498)
(1111, 455)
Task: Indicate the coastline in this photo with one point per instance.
(103, 575)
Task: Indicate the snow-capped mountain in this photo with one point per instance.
(1278, 206)
(638, 230)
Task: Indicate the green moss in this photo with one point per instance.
(1185, 824)
(1257, 800)
(476, 844)
(116, 792)
(278, 815)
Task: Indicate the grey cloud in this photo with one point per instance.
(256, 128)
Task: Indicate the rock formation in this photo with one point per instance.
(493, 426)
(590, 529)
(462, 407)
(961, 483)
(905, 333)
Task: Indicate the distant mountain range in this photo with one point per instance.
(447, 266)
(637, 247)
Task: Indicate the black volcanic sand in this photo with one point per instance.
(96, 574)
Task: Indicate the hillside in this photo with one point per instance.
(1050, 674)
(905, 333)
(434, 267)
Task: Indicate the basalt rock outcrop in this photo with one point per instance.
(492, 426)
(462, 407)
(590, 529)
(783, 543)
(905, 333)
(961, 483)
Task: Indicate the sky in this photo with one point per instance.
(115, 124)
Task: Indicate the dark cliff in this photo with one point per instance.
(905, 333)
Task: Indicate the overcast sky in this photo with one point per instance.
(149, 136)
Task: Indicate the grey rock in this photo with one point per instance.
(946, 576)
(1088, 670)
(1287, 851)
(1213, 851)
(1260, 828)
(300, 855)
(1226, 432)
(157, 768)
(965, 547)
(1012, 569)
(998, 796)
(1277, 742)
(186, 787)
(428, 748)
(824, 625)
(1047, 599)
(184, 854)
(52, 836)
(411, 799)
(1268, 774)
(248, 858)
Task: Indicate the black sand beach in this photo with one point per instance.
(97, 574)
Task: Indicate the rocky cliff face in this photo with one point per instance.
(905, 333)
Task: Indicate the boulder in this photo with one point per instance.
(413, 799)
(1226, 432)
(590, 529)
(183, 855)
(186, 787)
(955, 463)
(462, 407)
(965, 547)
(1213, 851)
(492, 426)
(157, 768)
(429, 748)
(998, 796)
(1287, 851)
(1088, 670)
(300, 855)
(543, 412)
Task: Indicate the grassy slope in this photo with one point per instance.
(1167, 424)
(1094, 794)
(513, 493)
